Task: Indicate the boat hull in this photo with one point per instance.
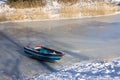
(40, 56)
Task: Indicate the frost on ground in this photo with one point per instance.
(86, 71)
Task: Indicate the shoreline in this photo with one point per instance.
(85, 17)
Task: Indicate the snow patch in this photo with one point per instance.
(86, 71)
(4, 7)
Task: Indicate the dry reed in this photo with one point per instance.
(27, 14)
(79, 9)
(27, 3)
(93, 9)
(2, 17)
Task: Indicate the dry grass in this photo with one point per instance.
(72, 2)
(68, 2)
(93, 9)
(27, 14)
(67, 11)
(2, 17)
(27, 4)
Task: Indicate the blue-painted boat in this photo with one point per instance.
(43, 53)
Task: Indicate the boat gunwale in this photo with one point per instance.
(37, 52)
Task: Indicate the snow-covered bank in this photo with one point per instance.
(54, 11)
(86, 71)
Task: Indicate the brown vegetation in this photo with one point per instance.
(72, 2)
(27, 14)
(2, 17)
(91, 9)
(82, 8)
(26, 3)
(68, 1)
(69, 11)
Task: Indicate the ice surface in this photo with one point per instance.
(83, 70)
